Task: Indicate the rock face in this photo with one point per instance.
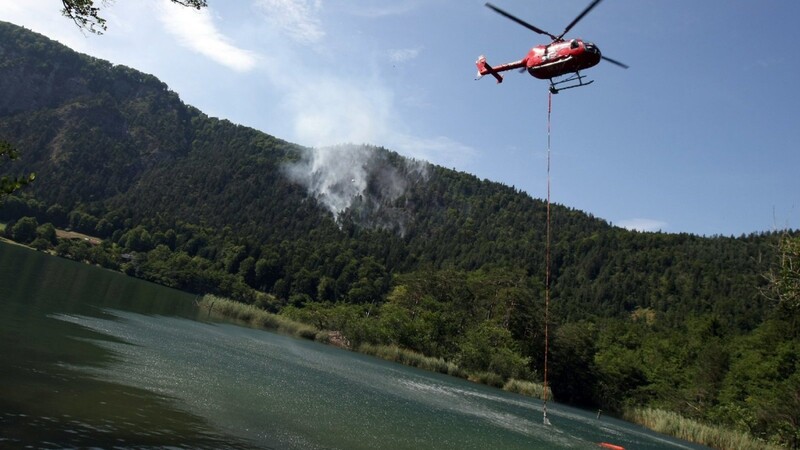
(36, 73)
(88, 128)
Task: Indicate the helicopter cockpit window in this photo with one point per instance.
(573, 44)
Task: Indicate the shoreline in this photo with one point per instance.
(660, 421)
(255, 317)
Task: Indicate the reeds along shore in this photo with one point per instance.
(251, 315)
(674, 424)
(255, 317)
(660, 421)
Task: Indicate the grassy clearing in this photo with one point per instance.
(257, 317)
(674, 424)
(63, 234)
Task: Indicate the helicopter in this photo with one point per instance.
(561, 57)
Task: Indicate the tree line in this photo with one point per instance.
(706, 363)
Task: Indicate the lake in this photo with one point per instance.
(93, 358)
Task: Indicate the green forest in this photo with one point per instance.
(443, 263)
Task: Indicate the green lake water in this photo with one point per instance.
(92, 358)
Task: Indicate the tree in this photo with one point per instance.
(137, 239)
(761, 391)
(573, 369)
(87, 16)
(489, 347)
(24, 230)
(784, 281)
(47, 232)
(9, 184)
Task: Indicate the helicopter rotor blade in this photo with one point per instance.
(578, 19)
(520, 21)
(614, 61)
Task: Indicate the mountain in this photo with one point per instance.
(112, 142)
(385, 248)
(117, 143)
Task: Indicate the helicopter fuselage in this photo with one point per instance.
(561, 57)
(550, 61)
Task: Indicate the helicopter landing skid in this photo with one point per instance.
(576, 79)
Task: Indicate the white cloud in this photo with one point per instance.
(326, 110)
(329, 111)
(403, 54)
(440, 150)
(373, 10)
(297, 18)
(196, 31)
(639, 224)
(9, 8)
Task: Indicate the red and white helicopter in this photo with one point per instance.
(558, 58)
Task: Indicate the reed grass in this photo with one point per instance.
(255, 317)
(411, 358)
(527, 388)
(674, 424)
(660, 421)
(258, 318)
(487, 378)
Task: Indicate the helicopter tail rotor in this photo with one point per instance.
(485, 69)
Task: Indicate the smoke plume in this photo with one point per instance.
(359, 180)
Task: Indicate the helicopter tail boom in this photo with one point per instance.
(484, 68)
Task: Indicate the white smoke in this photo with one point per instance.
(339, 176)
(333, 175)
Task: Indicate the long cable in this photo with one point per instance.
(547, 265)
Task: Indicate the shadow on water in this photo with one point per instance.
(46, 401)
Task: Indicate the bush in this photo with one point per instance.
(40, 244)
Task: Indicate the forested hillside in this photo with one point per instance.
(390, 250)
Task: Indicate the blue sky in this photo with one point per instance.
(700, 135)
